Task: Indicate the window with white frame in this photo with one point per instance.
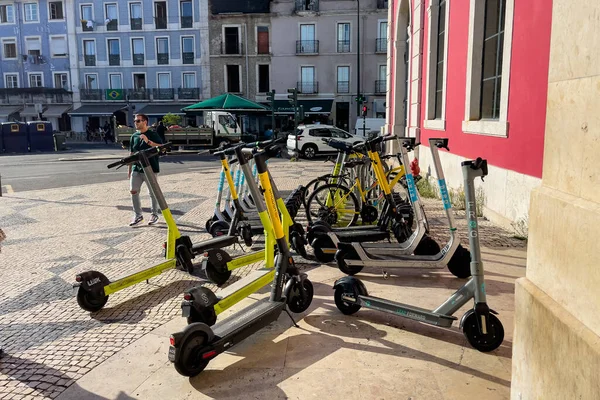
(264, 79)
(187, 49)
(7, 14)
(164, 80)
(35, 80)
(488, 67)
(135, 16)
(31, 12)
(343, 79)
(382, 34)
(137, 44)
(114, 51)
(162, 51)
(343, 37)
(435, 113)
(189, 80)
(233, 79)
(381, 82)
(9, 48)
(55, 10)
(11, 81)
(91, 81)
(58, 46)
(115, 81)
(61, 80)
(307, 80)
(111, 14)
(307, 44)
(33, 46)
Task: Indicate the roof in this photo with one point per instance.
(240, 6)
(227, 102)
(6, 111)
(160, 109)
(98, 109)
(56, 110)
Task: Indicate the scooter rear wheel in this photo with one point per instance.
(217, 275)
(321, 243)
(297, 244)
(295, 302)
(484, 343)
(190, 362)
(340, 258)
(427, 247)
(343, 306)
(91, 301)
(218, 228)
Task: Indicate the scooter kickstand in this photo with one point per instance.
(292, 318)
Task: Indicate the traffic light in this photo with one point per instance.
(293, 96)
(301, 113)
(364, 110)
(271, 96)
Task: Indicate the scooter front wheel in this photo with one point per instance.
(340, 258)
(342, 305)
(484, 343)
(296, 302)
(190, 362)
(91, 301)
(324, 249)
(217, 274)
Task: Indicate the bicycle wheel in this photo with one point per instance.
(334, 204)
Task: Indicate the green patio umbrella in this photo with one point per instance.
(226, 102)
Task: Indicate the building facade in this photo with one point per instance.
(136, 56)
(475, 72)
(34, 62)
(318, 50)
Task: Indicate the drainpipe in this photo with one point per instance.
(247, 69)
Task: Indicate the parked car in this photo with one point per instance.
(310, 143)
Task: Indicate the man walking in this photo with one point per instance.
(142, 139)
(160, 129)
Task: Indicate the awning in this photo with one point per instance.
(29, 111)
(56, 110)
(161, 109)
(317, 106)
(5, 112)
(97, 110)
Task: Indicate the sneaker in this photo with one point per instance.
(153, 219)
(136, 220)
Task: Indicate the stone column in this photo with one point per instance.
(556, 349)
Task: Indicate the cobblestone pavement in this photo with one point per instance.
(49, 342)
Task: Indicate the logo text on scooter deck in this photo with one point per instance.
(412, 191)
(444, 193)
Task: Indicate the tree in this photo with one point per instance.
(171, 119)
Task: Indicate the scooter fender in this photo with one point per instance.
(472, 311)
(218, 257)
(351, 284)
(92, 281)
(202, 298)
(290, 283)
(180, 338)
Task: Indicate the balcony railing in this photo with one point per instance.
(113, 25)
(162, 58)
(188, 93)
(160, 22)
(382, 4)
(138, 94)
(187, 22)
(230, 47)
(381, 45)
(138, 59)
(135, 24)
(380, 86)
(188, 57)
(92, 94)
(90, 60)
(114, 59)
(163, 94)
(303, 6)
(19, 96)
(85, 27)
(343, 87)
(308, 87)
(307, 46)
(343, 46)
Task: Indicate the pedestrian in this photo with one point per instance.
(161, 131)
(143, 138)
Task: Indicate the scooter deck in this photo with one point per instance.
(362, 236)
(214, 243)
(248, 284)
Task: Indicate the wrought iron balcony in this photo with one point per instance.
(380, 86)
(114, 59)
(113, 25)
(188, 57)
(85, 27)
(162, 58)
(343, 87)
(135, 24)
(307, 46)
(91, 94)
(304, 6)
(90, 60)
(230, 47)
(160, 22)
(19, 96)
(343, 46)
(381, 45)
(188, 93)
(138, 94)
(308, 87)
(163, 94)
(138, 59)
(187, 22)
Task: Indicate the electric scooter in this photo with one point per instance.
(482, 328)
(192, 349)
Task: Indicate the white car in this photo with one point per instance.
(310, 141)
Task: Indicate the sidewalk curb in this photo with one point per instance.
(118, 157)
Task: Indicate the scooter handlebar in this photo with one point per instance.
(151, 152)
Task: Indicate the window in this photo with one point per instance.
(55, 10)
(114, 52)
(137, 45)
(91, 81)
(436, 66)
(7, 14)
(187, 49)
(61, 80)
(31, 12)
(189, 80)
(381, 82)
(233, 78)
(35, 80)
(307, 44)
(381, 44)
(320, 132)
(262, 39)
(135, 16)
(9, 48)
(162, 51)
(33, 46)
(87, 17)
(139, 81)
(115, 81)
(307, 80)
(164, 80)
(58, 46)
(488, 67)
(263, 78)
(89, 52)
(187, 16)
(232, 40)
(160, 15)
(111, 14)
(343, 79)
(11, 81)
(343, 37)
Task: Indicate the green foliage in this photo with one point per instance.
(521, 228)
(171, 119)
(427, 189)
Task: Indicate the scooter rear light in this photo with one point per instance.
(187, 296)
(209, 354)
(172, 340)
(78, 278)
(164, 245)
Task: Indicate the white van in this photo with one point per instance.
(372, 125)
